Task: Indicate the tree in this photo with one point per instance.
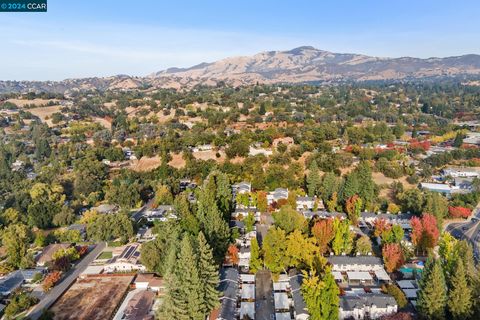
(398, 294)
(393, 234)
(183, 297)
(328, 186)
(332, 203)
(342, 240)
(459, 212)
(323, 232)
(392, 256)
(163, 195)
(255, 259)
(124, 191)
(313, 179)
(274, 250)
(50, 280)
(367, 187)
(412, 201)
(459, 294)
(208, 275)
(300, 250)
(232, 254)
(364, 245)
(353, 207)
(288, 219)
(436, 205)
(19, 302)
(262, 205)
(249, 221)
(425, 232)
(47, 201)
(432, 295)
(15, 239)
(65, 217)
(321, 296)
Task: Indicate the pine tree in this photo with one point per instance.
(208, 274)
(313, 179)
(183, 299)
(255, 260)
(459, 295)
(432, 297)
(328, 186)
(366, 185)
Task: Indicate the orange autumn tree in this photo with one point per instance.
(425, 232)
(50, 280)
(323, 232)
(232, 254)
(392, 256)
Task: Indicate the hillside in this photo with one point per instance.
(303, 64)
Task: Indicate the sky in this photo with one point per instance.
(85, 38)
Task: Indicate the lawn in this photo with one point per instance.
(105, 255)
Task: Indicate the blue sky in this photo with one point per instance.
(106, 37)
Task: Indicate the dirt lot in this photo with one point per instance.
(37, 102)
(146, 164)
(104, 122)
(95, 297)
(209, 155)
(44, 112)
(177, 160)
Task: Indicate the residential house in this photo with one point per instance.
(242, 187)
(106, 208)
(366, 306)
(308, 203)
(127, 261)
(47, 253)
(16, 279)
(357, 263)
(276, 195)
(229, 287)
(160, 213)
(149, 281)
(299, 306)
(461, 172)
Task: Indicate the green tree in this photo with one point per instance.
(288, 219)
(342, 239)
(163, 195)
(321, 296)
(46, 202)
(328, 186)
(274, 250)
(255, 259)
(208, 275)
(432, 295)
(459, 294)
(313, 179)
(249, 222)
(437, 205)
(363, 245)
(15, 239)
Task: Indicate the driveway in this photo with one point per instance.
(264, 307)
(49, 299)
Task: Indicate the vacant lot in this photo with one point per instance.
(177, 160)
(209, 155)
(146, 164)
(45, 112)
(95, 297)
(23, 102)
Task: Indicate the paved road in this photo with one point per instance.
(468, 230)
(52, 296)
(264, 308)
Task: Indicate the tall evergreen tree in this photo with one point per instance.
(432, 297)
(183, 299)
(313, 179)
(328, 186)
(208, 274)
(366, 185)
(459, 294)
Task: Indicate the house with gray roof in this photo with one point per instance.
(299, 306)
(366, 306)
(356, 263)
(229, 287)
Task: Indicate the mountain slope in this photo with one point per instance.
(303, 64)
(309, 64)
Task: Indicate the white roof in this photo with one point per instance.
(359, 275)
(337, 275)
(247, 278)
(244, 262)
(382, 275)
(281, 301)
(282, 316)
(410, 293)
(280, 286)
(283, 278)
(436, 186)
(405, 284)
(248, 291)
(247, 308)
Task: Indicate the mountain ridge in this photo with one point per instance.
(298, 65)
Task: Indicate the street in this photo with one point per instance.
(264, 308)
(53, 295)
(468, 230)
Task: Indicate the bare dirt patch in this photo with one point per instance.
(104, 122)
(177, 161)
(146, 164)
(37, 102)
(210, 155)
(45, 112)
(95, 297)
